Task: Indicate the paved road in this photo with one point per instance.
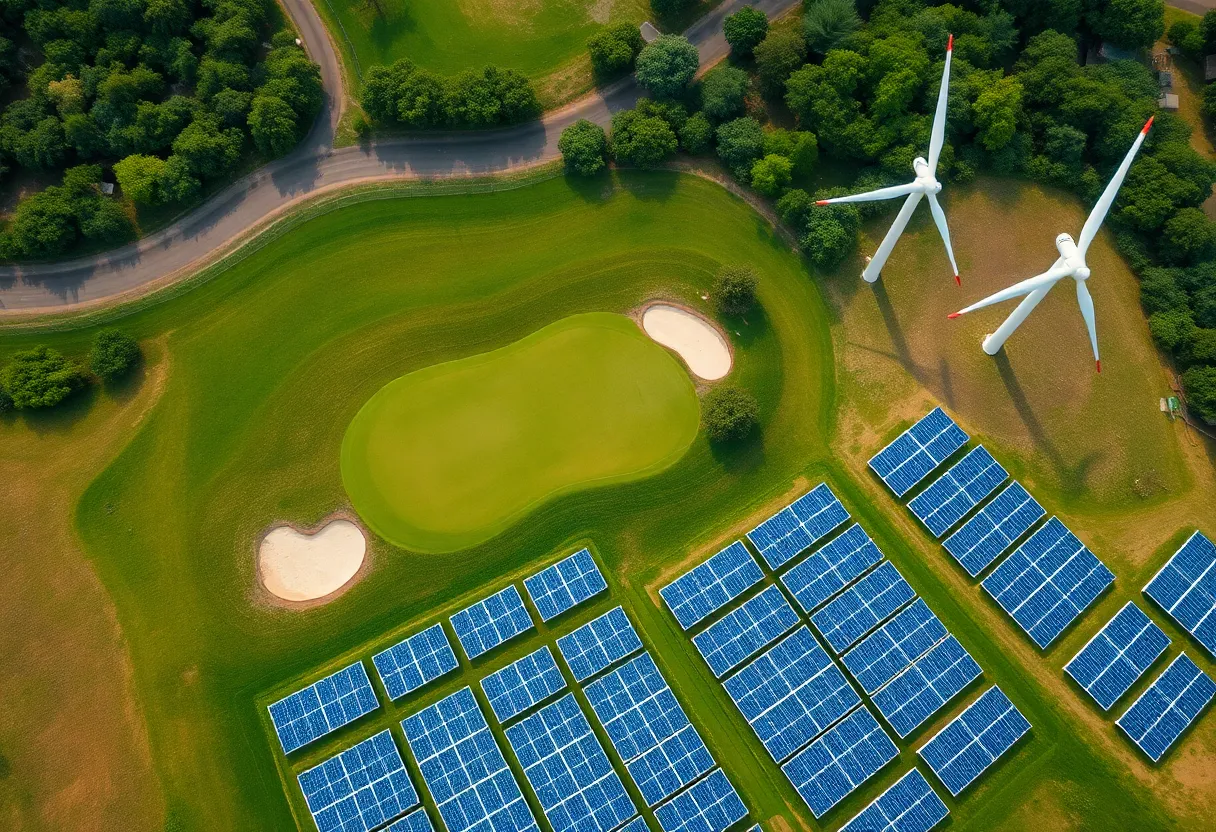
(173, 252)
(1193, 6)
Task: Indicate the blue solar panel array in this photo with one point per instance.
(895, 645)
(490, 622)
(562, 759)
(994, 528)
(910, 805)
(917, 451)
(522, 684)
(636, 825)
(323, 706)
(791, 693)
(1048, 582)
(410, 664)
(1186, 589)
(711, 805)
(464, 768)
(1118, 655)
(924, 688)
(862, 606)
(636, 707)
(744, 631)
(1168, 707)
(972, 741)
(832, 568)
(416, 821)
(361, 788)
(831, 767)
(671, 765)
(599, 643)
(565, 584)
(703, 590)
(963, 487)
(802, 524)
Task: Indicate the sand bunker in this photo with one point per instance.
(303, 567)
(697, 341)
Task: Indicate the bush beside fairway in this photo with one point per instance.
(449, 456)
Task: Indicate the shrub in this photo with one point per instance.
(666, 66)
(740, 144)
(6, 401)
(826, 24)
(1209, 102)
(778, 55)
(795, 207)
(831, 231)
(114, 354)
(614, 48)
(729, 414)
(40, 377)
(771, 175)
(1199, 384)
(584, 147)
(724, 92)
(734, 290)
(641, 140)
(1186, 36)
(697, 134)
(744, 30)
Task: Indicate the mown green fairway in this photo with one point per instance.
(448, 456)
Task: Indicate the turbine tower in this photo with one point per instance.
(1070, 264)
(925, 184)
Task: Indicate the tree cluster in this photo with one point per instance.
(41, 377)
(614, 48)
(170, 92)
(413, 97)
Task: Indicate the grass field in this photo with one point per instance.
(451, 455)
(130, 594)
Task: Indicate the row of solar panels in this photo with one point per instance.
(347, 694)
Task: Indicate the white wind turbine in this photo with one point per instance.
(925, 184)
(1070, 264)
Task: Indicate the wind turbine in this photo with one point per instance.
(925, 184)
(1070, 264)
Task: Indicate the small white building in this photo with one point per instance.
(1169, 101)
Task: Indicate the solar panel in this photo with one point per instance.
(862, 606)
(599, 643)
(522, 684)
(992, 530)
(917, 451)
(924, 688)
(973, 740)
(1157, 719)
(1118, 655)
(832, 567)
(746, 630)
(711, 805)
(910, 805)
(801, 524)
(1186, 589)
(636, 825)
(416, 821)
(1048, 582)
(791, 693)
(703, 590)
(636, 707)
(562, 759)
(490, 622)
(359, 789)
(851, 752)
(671, 765)
(885, 652)
(325, 705)
(464, 768)
(963, 487)
(565, 584)
(410, 664)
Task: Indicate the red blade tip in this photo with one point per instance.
(1148, 124)
(953, 315)
(958, 280)
(950, 43)
(1099, 363)
(821, 202)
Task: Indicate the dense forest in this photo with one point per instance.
(169, 95)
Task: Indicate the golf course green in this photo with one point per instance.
(448, 456)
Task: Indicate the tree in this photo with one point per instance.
(740, 144)
(799, 146)
(40, 377)
(138, 176)
(996, 113)
(1207, 28)
(667, 65)
(667, 7)
(723, 93)
(208, 149)
(744, 30)
(1130, 24)
(176, 182)
(1209, 102)
(1199, 384)
(641, 140)
(584, 147)
(614, 48)
(1189, 236)
(734, 291)
(771, 175)
(1190, 41)
(729, 414)
(795, 208)
(6, 401)
(831, 231)
(826, 23)
(780, 53)
(697, 134)
(114, 354)
(272, 124)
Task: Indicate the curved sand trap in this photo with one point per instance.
(701, 346)
(303, 567)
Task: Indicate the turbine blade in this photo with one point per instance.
(1098, 214)
(1042, 281)
(873, 196)
(938, 136)
(939, 217)
(1087, 312)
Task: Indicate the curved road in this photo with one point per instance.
(175, 251)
